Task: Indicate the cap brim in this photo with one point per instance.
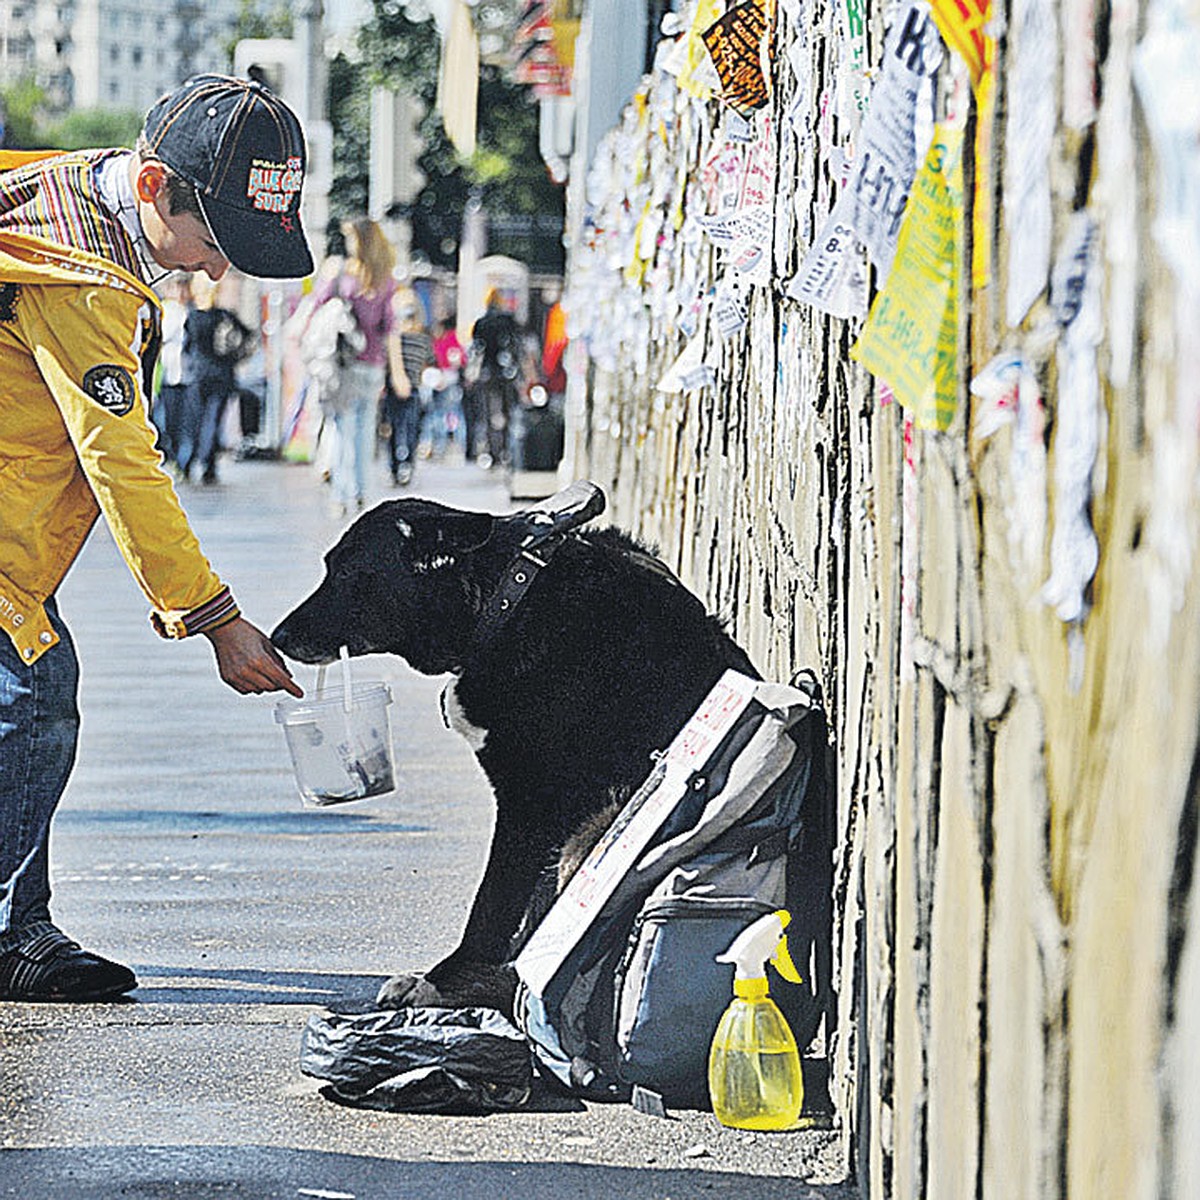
(262, 245)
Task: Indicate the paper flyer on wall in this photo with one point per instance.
(911, 335)
(1009, 397)
(869, 209)
(1078, 417)
(1164, 71)
(737, 42)
(966, 26)
(1029, 137)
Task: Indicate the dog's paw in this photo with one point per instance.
(408, 991)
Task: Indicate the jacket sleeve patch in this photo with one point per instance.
(111, 387)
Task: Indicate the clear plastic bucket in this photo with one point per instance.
(340, 740)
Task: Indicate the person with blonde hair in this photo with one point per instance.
(366, 282)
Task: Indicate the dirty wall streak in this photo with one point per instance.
(1003, 609)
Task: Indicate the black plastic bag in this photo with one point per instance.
(462, 1061)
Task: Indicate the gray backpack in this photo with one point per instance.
(618, 986)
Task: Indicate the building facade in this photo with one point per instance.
(113, 53)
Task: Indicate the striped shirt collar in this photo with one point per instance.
(115, 191)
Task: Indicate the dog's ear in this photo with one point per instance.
(464, 531)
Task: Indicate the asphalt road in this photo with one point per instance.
(183, 849)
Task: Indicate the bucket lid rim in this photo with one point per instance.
(367, 691)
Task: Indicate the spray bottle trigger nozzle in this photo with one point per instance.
(782, 959)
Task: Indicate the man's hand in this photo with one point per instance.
(248, 662)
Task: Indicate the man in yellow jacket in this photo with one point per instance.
(215, 179)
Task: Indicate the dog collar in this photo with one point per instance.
(517, 579)
(547, 527)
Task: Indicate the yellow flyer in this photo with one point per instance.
(694, 78)
(910, 339)
(964, 25)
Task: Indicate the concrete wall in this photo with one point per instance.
(1017, 972)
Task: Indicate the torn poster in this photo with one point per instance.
(1079, 63)
(911, 336)
(871, 205)
(1009, 395)
(1032, 118)
(736, 43)
(965, 26)
(1164, 70)
(853, 75)
(1078, 418)
(697, 76)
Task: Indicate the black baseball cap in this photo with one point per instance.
(243, 150)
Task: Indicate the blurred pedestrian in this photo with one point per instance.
(497, 351)
(84, 238)
(215, 340)
(170, 401)
(445, 416)
(408, 392)
(554, 346)
(365, 281)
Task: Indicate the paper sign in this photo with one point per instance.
(833, 276)
(1009, 395)
(887, 156)
(758, 180)
(1075, 298)
(735, 44)
(731, 304)
(1164, 71)
(964, 25)
(854, 32)
(689, 371)
(911, 336)
(697, 76)
(869, 210)
(1032, 118)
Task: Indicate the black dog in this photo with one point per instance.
(567, 676)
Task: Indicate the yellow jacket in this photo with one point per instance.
(78, 340)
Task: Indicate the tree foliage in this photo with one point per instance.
(22, 103)
(349, 114)
(28, 127)
(85, 127)
(506, 172)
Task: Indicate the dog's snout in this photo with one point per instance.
(282, 638)
(291, 644)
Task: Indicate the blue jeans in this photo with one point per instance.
(39, 728)
(404, 419)
(356, 432)
(200, 435)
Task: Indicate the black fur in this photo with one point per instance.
(600, 665)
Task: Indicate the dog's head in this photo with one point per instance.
(407, 578)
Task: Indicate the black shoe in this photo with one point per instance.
(52, 968)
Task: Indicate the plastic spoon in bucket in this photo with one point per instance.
(347, 708)
(353, 768)
(347, 700)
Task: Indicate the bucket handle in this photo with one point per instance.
(347, 685)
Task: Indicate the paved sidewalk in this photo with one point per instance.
(182, 849)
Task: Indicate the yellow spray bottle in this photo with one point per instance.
(754, 1077)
